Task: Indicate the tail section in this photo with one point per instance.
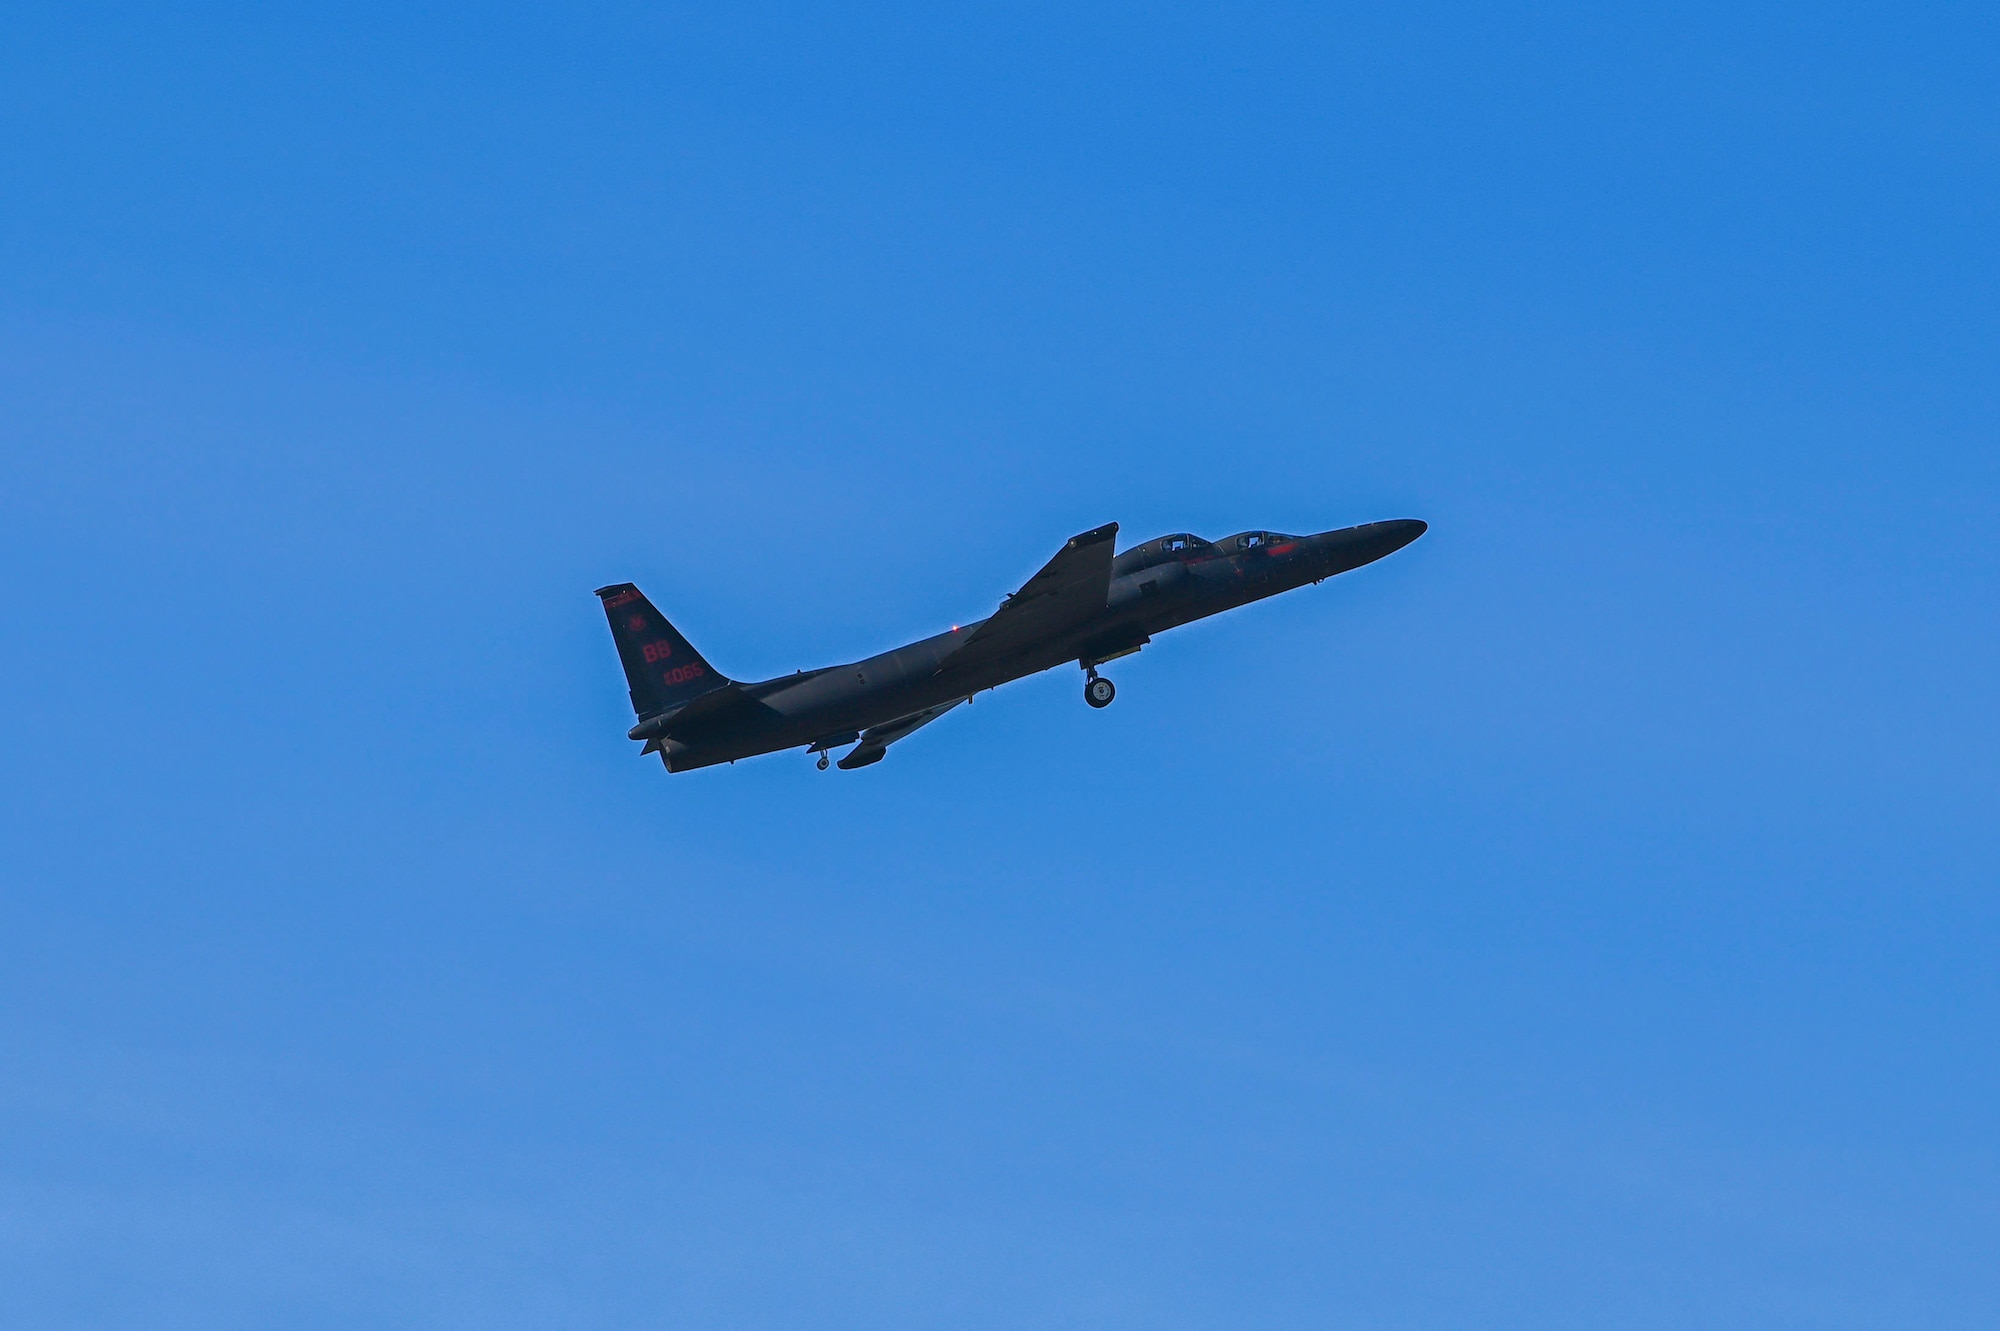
(662, 669)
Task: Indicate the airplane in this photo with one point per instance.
(1086, 605)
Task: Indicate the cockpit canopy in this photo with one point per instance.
(1180, 545)
(1186, 545)
(1250, 540)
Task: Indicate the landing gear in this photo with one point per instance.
(823, 761)
(1099, 691)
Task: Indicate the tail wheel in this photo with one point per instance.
(1099, 691)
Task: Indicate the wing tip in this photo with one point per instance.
(1093, 536)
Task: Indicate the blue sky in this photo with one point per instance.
(1585, 918)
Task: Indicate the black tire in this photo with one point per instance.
(1099, 692)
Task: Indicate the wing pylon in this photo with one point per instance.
(875, 740)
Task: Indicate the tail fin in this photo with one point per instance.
(661, 668)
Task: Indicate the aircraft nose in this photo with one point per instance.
(1399, 532)
(1351, 547)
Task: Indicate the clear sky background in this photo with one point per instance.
(1584, 918)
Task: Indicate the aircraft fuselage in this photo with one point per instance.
(1152, 588)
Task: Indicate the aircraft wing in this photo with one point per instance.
(1070, 589)
(876, 739)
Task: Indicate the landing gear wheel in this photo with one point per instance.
(1099, 691)
(823, 761)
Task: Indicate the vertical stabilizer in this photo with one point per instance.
(662, 668)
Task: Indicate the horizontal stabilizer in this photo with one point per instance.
(688, 716)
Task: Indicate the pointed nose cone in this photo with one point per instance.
(1399, 532)
(1351, 547)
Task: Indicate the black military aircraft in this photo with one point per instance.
(1085, 606)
